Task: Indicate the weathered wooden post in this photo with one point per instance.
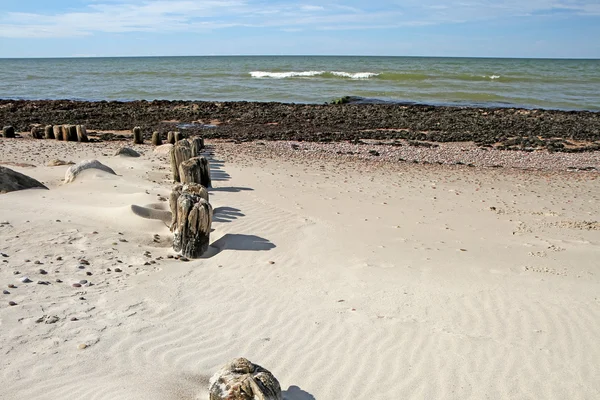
(191, 219)
(180, 152)
(65, 132)
(171, 137)
(179, 136)
(138, 137)
(156, 139)
(58, 132)
(36, 132)
(195, 170)
(197, 145)
(49, 132)
(8, 132)
(82, 134)
(72, 133)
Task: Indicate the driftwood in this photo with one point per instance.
(197, 146)
(195, 170)
(179, 153)
(58, 132)
(138, 136)
(242, 380)
(81, 134)
(8, 132)
(156, 139)
(74, 170)
(49, 132)
(192, 216)
(171, 137)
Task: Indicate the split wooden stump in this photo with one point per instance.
(81, 134)
(171, 137)
(197, 146)
(138, 136)
(37, 132)
(180, 152)
(191, 219)
(195, 170)
(156, 139)
(49, 132)
(8, 132)
(58, 132)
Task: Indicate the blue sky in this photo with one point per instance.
(480, 28)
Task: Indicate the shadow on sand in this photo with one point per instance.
(295, 393)
(226, 214)
(235, 241)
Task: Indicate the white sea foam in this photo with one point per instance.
(282, 75)
(355, 75)
(494, 76)
(292, 74)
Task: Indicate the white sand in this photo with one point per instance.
(395, 282)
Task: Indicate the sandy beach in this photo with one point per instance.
(348, 275)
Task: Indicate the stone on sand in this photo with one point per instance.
(242, 380)
(11, 181)
(81, 166)
(127, 152)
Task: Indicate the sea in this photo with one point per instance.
(482, 82)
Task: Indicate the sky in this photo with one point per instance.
(461, 28)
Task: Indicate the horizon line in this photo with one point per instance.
(298, 55)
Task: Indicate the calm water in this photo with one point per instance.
(561, 84)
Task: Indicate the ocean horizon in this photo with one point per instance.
(564, 83)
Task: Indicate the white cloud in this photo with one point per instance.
(113, 16)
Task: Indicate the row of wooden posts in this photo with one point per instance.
(78, 133)
(189, 202)
(71, 133)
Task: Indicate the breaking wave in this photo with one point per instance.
(305, 74)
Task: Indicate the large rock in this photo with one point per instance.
(127, 152)
(11, 181)
(242, 380)
(76, 169)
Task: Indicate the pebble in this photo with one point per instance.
(118, 270)
(43, 272)
(108, 269)
(16, 272)
(82, 298)
(83, 282)
(184, 259)
(38, 262)
(52, 320)
(74, 319)
(88, 273)
(170, 256)
(271, 262)
(82, 346)
(76, 285)
(11, 286)
(12, 303)
(4, 255)
(25, 279)
(81, 267)
(58, 281)
(146, 263)
(43, 283)
(59, 258)
(5, 292)
(84, 262)
(88, 284)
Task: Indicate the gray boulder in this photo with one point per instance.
(127, 152)
(11, 181)
(81, 166)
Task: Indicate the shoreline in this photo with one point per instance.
(501, 128)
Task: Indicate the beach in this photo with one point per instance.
(374, 267)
